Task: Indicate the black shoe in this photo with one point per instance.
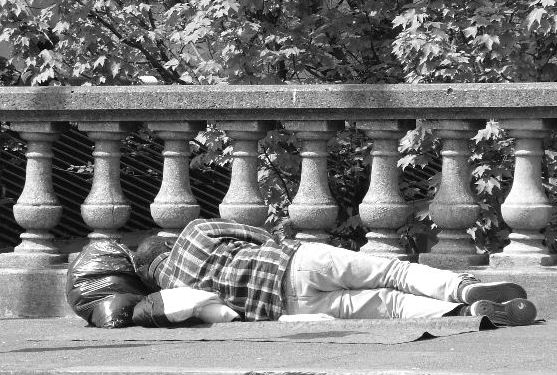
(470, 292)
(516, 312)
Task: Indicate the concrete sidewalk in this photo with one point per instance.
(25, 347)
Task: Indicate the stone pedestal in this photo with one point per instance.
(527, 209)
(37, 209)
(454, 207)
(383, 209)
(33, 293)
(313, 210)
(106, 209)
(175, 206)
(243, 201)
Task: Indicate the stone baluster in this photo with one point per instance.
(243, 201)
(527, 209)
(175, 206)
(454, 207)
(313, 210)
(37, 210)
(106, 209)
(383, 209)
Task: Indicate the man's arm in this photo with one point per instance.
(172, 306)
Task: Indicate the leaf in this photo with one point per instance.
(132, 9)
(472, 232)
(234, 5)
(487, 40)
(187, 78)
(47, 56)
(292, 51)
(114, 68)
(470, 31)
(172, 64)
(487, 185)
(409, 16)
(406, 161)
(144, 7)
(491, 131)
(534, 17)
(99, 61)
(44, 76)
(61, 26)
(481, 170)
(421, 209)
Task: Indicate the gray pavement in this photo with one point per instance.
(28, 346)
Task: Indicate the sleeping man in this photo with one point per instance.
(222, 271)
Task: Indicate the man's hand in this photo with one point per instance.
(305, 318)
(170, 306)
(216, 313)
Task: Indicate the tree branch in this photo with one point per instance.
(168, 76)
(278, 174)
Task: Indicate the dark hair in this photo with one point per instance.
(150, 248)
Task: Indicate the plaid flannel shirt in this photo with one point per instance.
(242, 264)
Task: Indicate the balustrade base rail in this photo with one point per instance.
(40, 293)
(521, 261)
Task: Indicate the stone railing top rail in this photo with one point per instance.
(284, 102)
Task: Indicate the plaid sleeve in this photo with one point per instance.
(208, 234)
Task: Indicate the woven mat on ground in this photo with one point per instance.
(372, 331)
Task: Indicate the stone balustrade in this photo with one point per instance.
(454, 112)
(175, 204)
(383, 209)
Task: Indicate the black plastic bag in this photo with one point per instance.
(115, 311)
(102, 286)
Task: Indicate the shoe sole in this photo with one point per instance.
(496, 292)
(516, 312)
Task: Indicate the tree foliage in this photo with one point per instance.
(281, 41)
(202, 41)
(477, 41)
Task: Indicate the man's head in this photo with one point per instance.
(149, 249)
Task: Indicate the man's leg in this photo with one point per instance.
(327, 268)
(325, 279)
(381, 303)
(349, 285)
(351, 270)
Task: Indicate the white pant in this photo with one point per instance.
(350, 285)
